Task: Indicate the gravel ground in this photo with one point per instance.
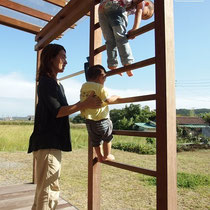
(120, 189)
(15, 168)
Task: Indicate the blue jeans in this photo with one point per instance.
(113, 21)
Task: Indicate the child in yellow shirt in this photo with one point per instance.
(98, 121)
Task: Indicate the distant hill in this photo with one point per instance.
(191, 112)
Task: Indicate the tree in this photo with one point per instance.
(206, 117)
(128, 116)
(78, 119)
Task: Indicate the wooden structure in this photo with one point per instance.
(164, 96)
(22, 196)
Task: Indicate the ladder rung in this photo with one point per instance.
(99, 49)
(133, 66)
(143, 29)
(134, 133)
(96, 26)
(139, 31)
(136, 99)
(131, 168)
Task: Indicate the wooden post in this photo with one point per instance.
(165, 106)
(36, 101)
(94, 167)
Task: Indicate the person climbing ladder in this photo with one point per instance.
(113, 19)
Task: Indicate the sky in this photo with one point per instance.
(192, 62)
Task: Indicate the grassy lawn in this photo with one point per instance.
(120, 189)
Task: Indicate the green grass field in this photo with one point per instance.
(120, 189)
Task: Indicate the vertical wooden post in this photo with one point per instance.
(165, 106)
(94, 168)
(36, 101)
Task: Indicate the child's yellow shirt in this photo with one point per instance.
(101, 92)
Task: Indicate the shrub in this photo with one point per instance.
(136, 148)
(185, 180)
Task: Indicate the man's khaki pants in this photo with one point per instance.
(48, 166)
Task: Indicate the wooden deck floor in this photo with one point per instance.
(20, 197)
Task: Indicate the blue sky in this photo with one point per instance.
(192, 62)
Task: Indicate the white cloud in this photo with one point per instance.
(189, 102)
(17, 96)
(15, 86)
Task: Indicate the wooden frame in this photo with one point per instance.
(165, 106)
(25, 10)
(94, 167)
(164, 96)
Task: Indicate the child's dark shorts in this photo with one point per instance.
(99, 131)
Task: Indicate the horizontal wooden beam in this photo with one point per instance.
(134, 133)
(25, 10)
(133, 66)
(142, 30)
(131, 168)
(59, 3)
(72, 75)
(17, 24)
(136, 99)
(65, 18)
(137, 32)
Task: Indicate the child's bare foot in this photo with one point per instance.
(110, 157)
(113, 68)
(129, 73)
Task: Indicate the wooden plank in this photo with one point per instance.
(134, 133)
(136, 99)
(65, 18)
(165, 106)
(72, 75)
(137, 32)
(20, 197)
(17, 24)
(15, 194)
(94, 167)
(133, 66)
(131, 168)
(62, 17)
(59, 3)
(142, 30)
(16, 188)
(25, 10)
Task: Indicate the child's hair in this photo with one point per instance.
(94, 71)
(150, 5)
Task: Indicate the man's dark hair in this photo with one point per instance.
(94, 71)
(48, 53)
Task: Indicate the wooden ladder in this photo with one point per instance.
(165, 107)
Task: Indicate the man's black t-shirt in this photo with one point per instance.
(50, 132)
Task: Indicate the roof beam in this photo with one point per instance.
(59, 3)
(65, 18)
(25, 10)
(17, 24)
